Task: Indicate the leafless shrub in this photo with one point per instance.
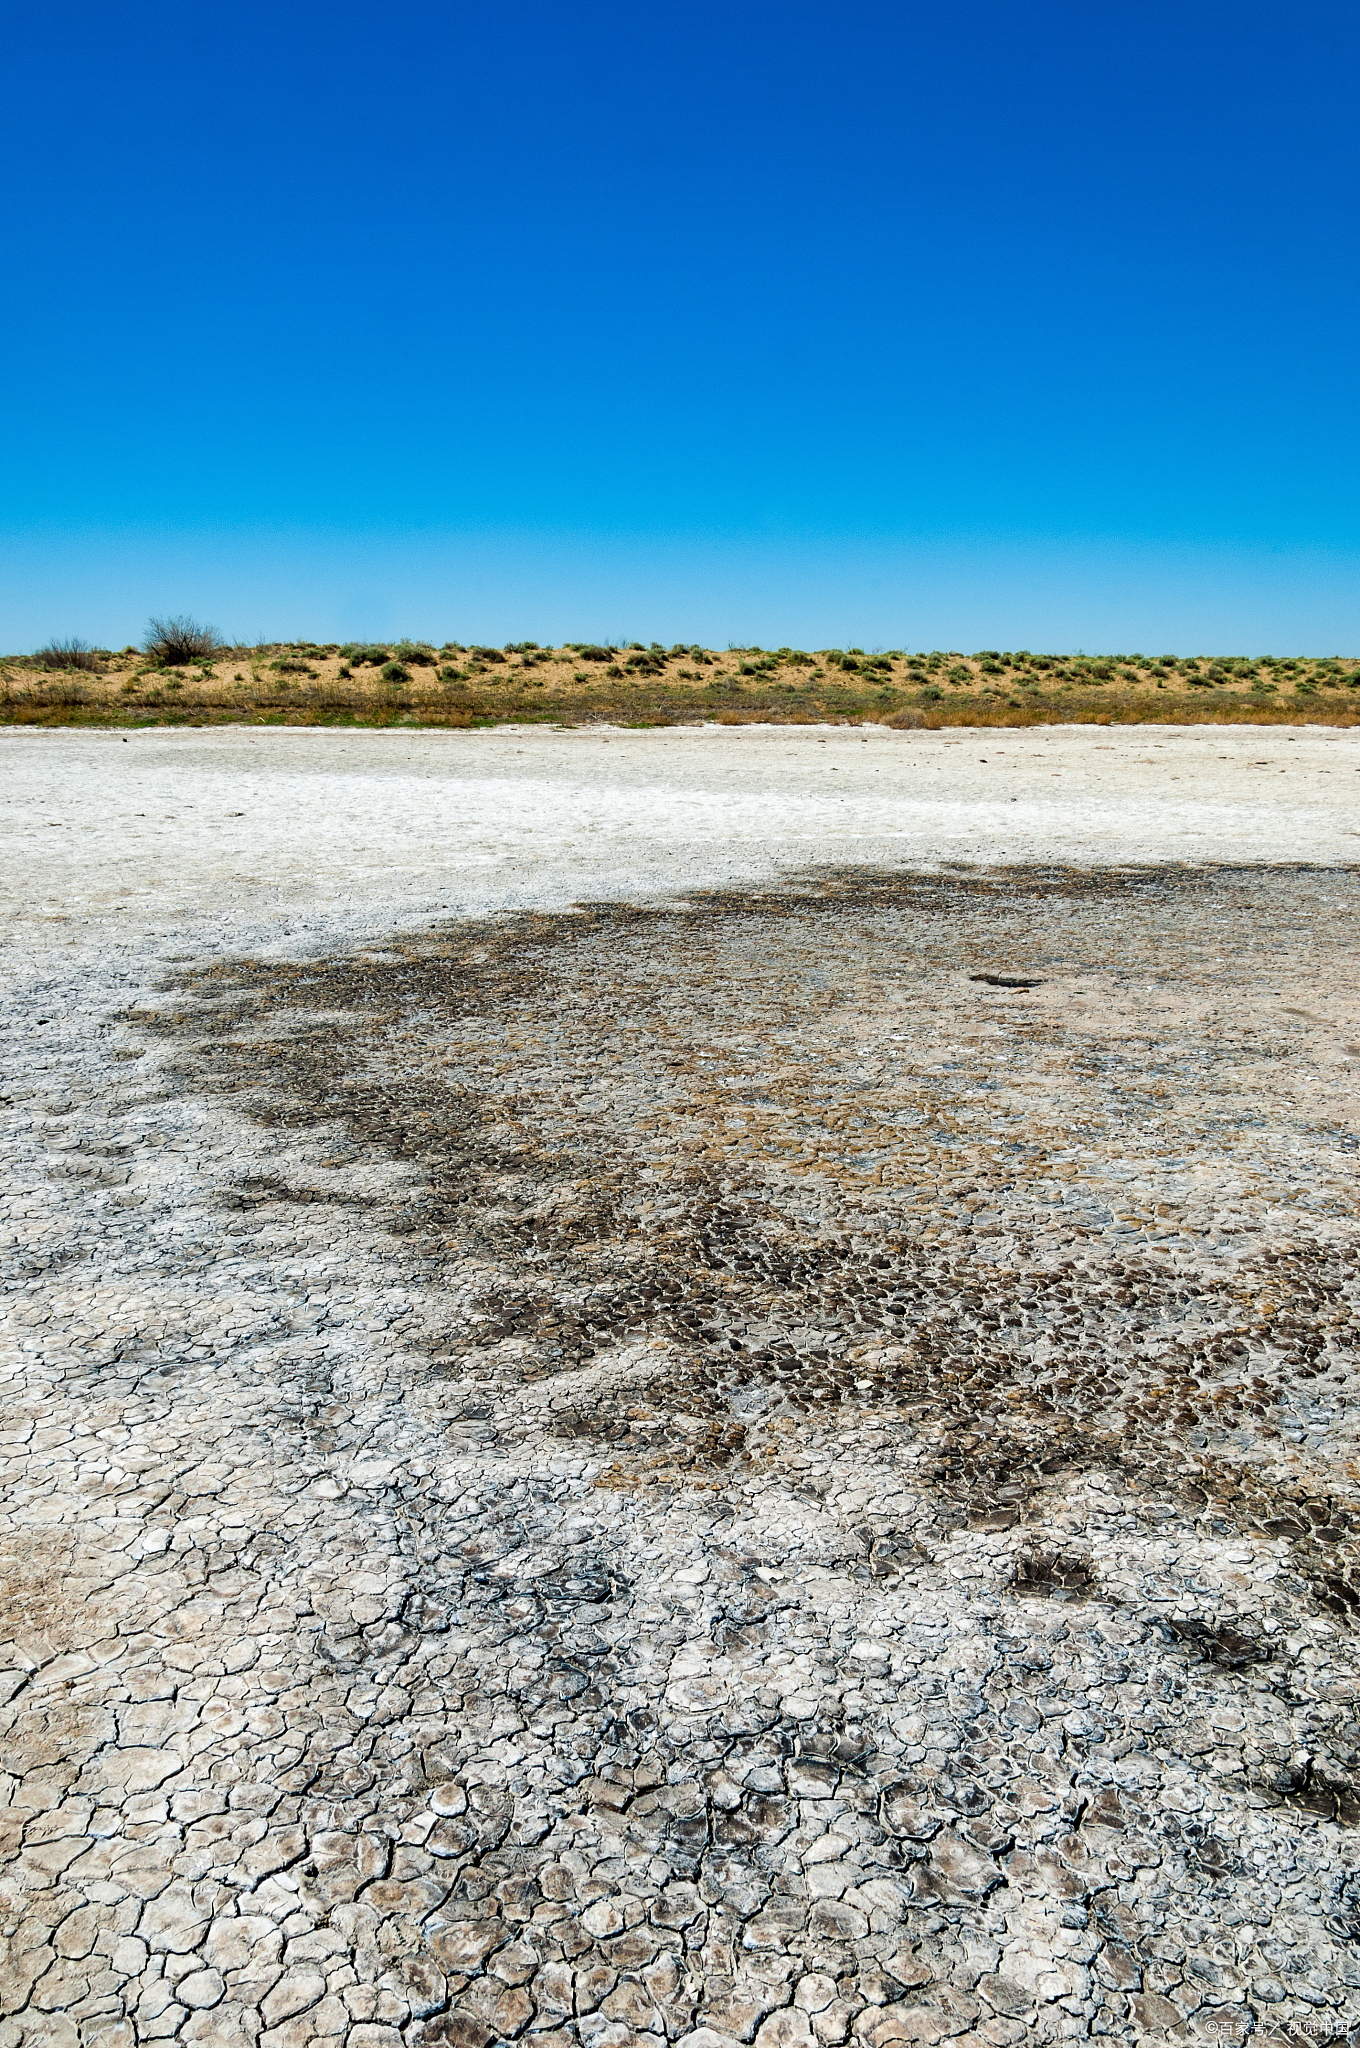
(67, 653)
(179, 640)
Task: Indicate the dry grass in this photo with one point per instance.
(300, 683)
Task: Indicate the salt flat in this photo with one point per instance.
(406, 824)
(771, 1459)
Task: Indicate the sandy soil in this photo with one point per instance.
(300, 683)
(775, 1460)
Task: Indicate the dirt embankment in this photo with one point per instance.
(413, 683)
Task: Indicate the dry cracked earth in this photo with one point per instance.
(776, 1468)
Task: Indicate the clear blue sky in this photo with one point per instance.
(967, 325)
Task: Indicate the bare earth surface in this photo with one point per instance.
(686, 1469)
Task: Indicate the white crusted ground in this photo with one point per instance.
(267, 1782)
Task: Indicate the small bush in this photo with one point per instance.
(173, 642)
(596, 653)
(486, 654)
(69, 653)
(364, 657)
(395, 672)
(418, 652)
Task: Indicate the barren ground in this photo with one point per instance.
(690, 1386)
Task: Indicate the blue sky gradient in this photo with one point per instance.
(887, 324)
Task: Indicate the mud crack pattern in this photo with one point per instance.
(780, 1470)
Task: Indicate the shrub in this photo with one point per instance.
(364, 657)
(417, 651)
(486, 654)
(596, 653)
(172, 642)
(395, 672)
(68, 653)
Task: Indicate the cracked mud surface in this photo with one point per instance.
(697, 1472)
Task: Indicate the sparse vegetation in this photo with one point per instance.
(645, 683)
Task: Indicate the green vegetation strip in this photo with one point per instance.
(184, 676)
